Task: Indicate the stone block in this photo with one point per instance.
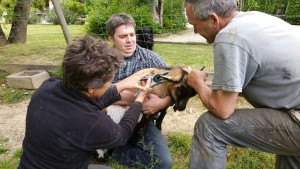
(28, 79)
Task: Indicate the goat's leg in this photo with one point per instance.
(159, 120)
(141, 126)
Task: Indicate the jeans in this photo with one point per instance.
(94, 166)
(261, 129)
(149, 152)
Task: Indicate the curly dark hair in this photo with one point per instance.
(89, 63)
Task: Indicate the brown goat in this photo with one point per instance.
(176, 87)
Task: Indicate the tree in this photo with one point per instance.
(18, 31)
(157, 11)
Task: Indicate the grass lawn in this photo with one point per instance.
(46, 43)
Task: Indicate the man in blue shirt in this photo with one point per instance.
(151, 151)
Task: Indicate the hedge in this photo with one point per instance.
(140, 10)
(292, 14)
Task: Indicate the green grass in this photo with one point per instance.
(43, 41)
(195, 56)
(9, 95)
(11, 162)
(179, 144)
(46, 42)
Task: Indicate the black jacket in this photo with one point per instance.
(64, 127)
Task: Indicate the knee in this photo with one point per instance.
(205, 125)
(165, 161)
(204, 121)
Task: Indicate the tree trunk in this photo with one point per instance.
(18, 30)
(3, 40)
(157, 11)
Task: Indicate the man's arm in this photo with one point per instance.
(155, 103)
(127, 97)
(220, 103)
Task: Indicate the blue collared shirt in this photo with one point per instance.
(142, 58)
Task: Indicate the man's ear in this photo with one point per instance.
(90, 90)
(214, 19)
(110, 38)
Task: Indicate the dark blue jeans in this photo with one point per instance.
(266, 130)
(149, 152)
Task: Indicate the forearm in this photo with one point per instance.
(109, 97)
(218, 102)
(204, 93)
(127, 98)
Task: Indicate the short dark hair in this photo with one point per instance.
(89, 63)
(117, 20)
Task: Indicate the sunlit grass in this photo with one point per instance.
(43, 41)
(11, 162)
(195, 56)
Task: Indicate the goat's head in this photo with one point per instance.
(178, 87)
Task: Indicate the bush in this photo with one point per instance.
(140, 10)
(33, 17)
(293, 12)
(289, 10)
(174, 15)
(100, 11)
(52, 18)
(266, 6)
(72, 10)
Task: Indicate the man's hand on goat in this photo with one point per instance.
(132, 83)
(154, 104)
(196, 78)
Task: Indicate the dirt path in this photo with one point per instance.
(12, 122)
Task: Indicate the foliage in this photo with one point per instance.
(39, 4)
(288, 9)
(100, 11)
(72, 10)
(33, 17)
(8, 7)
(266, 6)
(173, 17)
(293, 12)
(52, 17)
